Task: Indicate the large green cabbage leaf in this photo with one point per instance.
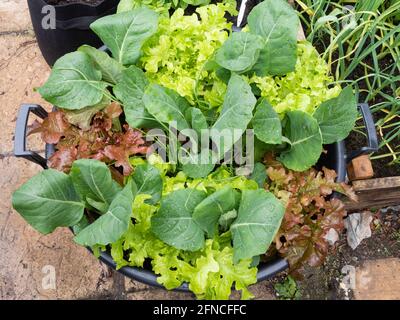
(336, 117)
(277, 22)
(110, 226)
(259, 218)
(174, 223)
(74, 82)
(305, 138)
(92, 179)
(124, 33)
(49, 200)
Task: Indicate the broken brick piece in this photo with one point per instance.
(360, 168)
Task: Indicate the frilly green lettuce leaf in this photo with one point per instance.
(239, 275)
(175, 56)
(219, 179)
(303, 89)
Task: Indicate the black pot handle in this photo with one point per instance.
(372, 138)
(21, 133)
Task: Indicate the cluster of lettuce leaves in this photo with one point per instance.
(160, 6)
(80, 80)
(303, 89)
(310, 212)
(175, 56)
(179, 213)
(102, 138)
(195, 231)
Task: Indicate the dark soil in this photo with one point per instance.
(249, 6)
(323, 283)
(64, 2)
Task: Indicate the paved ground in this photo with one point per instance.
(28, 259)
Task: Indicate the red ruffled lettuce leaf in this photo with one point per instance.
(62, 159)
(114, 110)
(129, 143)
(104, 140)
(310, 212)
(52, 128)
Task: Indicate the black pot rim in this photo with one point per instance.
(68, 11)
(83, 4)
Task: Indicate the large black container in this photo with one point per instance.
(335, 158)
(71, 26)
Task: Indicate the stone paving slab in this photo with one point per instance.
(378, 280)
(22, 69)
(14, 16)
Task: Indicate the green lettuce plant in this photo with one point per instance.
(303, 89)
(160, 6)
(176, 56)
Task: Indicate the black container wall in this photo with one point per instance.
(71, 26)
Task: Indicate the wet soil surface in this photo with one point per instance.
(250, 4)
(64, 2)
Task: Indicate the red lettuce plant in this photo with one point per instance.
(310, 211)
(103, 139)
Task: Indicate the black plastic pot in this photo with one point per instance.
(335, 158)
(71, 26)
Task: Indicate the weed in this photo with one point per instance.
(287, 289)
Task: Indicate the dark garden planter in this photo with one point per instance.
(71, 26)
(335, 158)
